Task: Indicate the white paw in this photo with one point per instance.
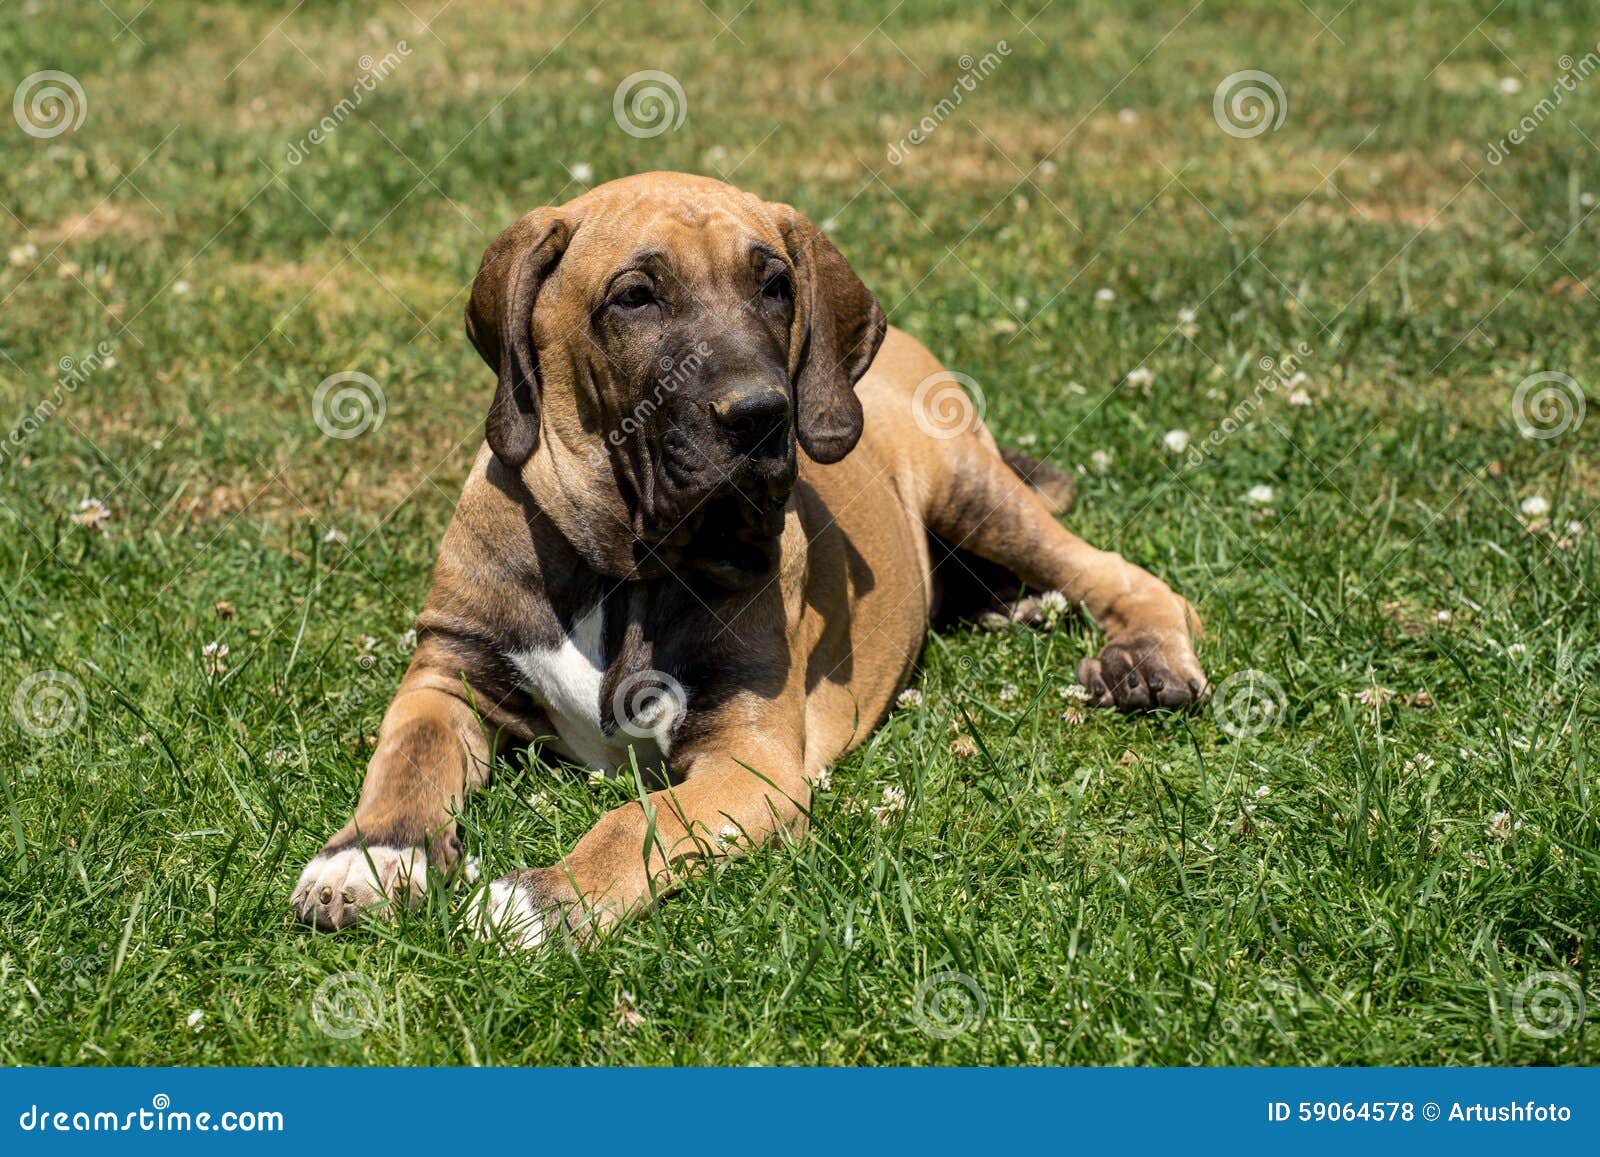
(507, 912)
(335, 890)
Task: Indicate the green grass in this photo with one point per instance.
(1152, 908)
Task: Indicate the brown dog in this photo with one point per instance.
(642, 558)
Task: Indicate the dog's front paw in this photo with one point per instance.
(339, 887)
(1145, 670)
(521, 910)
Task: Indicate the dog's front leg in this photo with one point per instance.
(743, 784)
(431, 753)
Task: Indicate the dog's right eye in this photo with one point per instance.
(634, 298)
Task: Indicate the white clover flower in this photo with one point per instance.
(1105, 296)
(1141, 377)
(582, 172)
(212, 656)
(1263, 791)
(1127, 116)
(1028, 439)
(92, 514)
(909, 698)
(1187, 314)
(1100, 460)
(1516, 650)
(1075, 691)
(894, 802)
(1299, 398)
(1176, 441)
(824, 779)
(408, 639)
(1374, 696)
(336, 536)
(1442, 616)
(1008, 693)
(182, 288)
(1419, 762)
(1053, 603)
(1501, 826)
(23, 254)
(1535, 506)
(1587, 200)
(625, 1014)
(1259, 495)
(1510, 85)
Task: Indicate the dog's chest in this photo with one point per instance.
(569, 682)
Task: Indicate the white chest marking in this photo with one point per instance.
(566, 681)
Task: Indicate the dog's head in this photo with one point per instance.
(662, 343)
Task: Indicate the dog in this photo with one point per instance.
(705, 536)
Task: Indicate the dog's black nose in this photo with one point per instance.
(753, 420)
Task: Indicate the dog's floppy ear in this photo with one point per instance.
(838, 328)
(500, 324)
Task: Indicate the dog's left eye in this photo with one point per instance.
(634, 298)
(778, 288)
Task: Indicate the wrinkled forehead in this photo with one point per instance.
(697, 233)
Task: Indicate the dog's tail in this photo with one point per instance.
(1053, 484)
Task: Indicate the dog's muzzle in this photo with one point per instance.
(753, 421)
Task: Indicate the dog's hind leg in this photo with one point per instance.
(978, 502)
(969, 587)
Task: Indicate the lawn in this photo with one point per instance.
(1382, 846)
